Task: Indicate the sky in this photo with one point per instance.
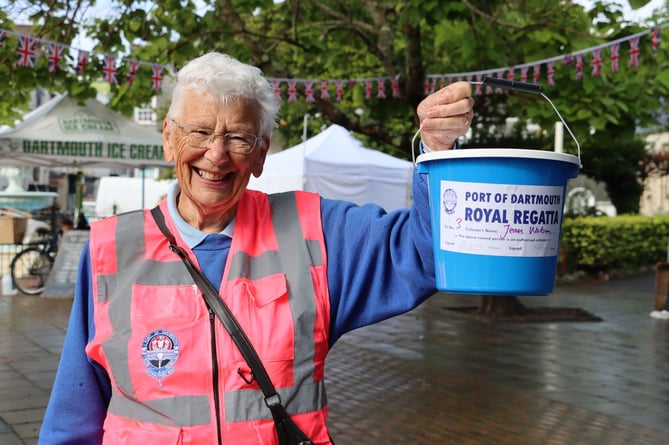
(630, 14)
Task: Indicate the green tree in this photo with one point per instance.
(356, 39)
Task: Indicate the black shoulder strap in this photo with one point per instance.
(216, 304)
(221, 309)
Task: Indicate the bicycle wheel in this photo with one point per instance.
(30, 269)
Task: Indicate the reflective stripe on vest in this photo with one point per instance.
(295, 257)
(180, 410)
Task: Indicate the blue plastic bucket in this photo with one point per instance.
(497, 218)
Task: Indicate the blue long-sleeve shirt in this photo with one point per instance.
(379, 265)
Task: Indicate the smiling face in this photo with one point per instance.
(211, 179)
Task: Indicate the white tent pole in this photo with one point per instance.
(79, 190)
(559, 137)
(304, 127)
(304, 151)
(143, 188)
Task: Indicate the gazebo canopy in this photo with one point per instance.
(63, 133)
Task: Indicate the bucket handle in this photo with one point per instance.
(517, 86)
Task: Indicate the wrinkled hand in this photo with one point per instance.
(446, 115)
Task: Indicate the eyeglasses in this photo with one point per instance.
(200, 137)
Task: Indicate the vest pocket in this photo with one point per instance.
(263, 309)
(268, 289)
(165, 302)
(163, 354)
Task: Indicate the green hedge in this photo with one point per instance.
(628, 242)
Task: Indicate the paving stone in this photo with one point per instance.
(430, 377)
(10, 439)
(4, 427)
(28, 430)
(16, 417)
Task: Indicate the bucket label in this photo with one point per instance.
(500, 219)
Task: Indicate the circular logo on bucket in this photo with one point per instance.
(449, 199)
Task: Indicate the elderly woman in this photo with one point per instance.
(146, 361)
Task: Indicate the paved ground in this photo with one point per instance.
(435, 377)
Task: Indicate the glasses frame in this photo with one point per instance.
(215, 135)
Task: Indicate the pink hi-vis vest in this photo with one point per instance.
(176, 375)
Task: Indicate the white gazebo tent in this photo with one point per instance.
(64, 133)
(337, 166)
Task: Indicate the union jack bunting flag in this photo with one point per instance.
(597, 62)
(615, 57)
(394, 85)
(324, 90)
(381, 89)
(655, 39)
(157, 77)
(309, 91)
(523, 73)
(536, 73)
(634, 51)
(132, 73)
(109, 69)
(26, 51)
(368, 89)
(550, 73)
(511, 74)
(277, 89)
(55, 54)
(579, 66)
(568, 59)
(82, 61)
(339, 88)
(292, 90)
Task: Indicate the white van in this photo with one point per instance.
(119, 194)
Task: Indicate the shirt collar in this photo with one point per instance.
(190, 234)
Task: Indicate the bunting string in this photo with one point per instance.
(29, 49)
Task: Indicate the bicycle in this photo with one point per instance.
(30, 267)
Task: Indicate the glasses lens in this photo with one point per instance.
(240, 143)
(197, 136)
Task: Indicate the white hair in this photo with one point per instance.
(226, 78)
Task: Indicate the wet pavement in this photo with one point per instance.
(436, 376)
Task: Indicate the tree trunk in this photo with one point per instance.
(497, 306)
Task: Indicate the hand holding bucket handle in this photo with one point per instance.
(445, 116)
(513, 86)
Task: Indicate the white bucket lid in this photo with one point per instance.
(523, 153)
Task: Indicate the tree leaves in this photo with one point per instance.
(355, 39)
